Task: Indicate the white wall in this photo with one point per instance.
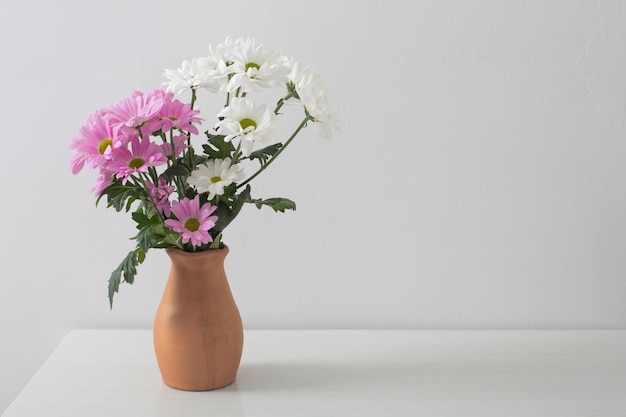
(478, 180)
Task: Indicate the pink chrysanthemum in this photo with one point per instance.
(139, 111)
(179, 145)
(176, 114)
(160, 195)
(93, 146)
(193, 221)
(143, 154)
(102, 183)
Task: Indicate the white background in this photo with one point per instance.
(478, 180)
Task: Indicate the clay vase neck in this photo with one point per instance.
(198, 334)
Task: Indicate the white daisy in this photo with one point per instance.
(297, 72)
(193, 75)
(214, 176)
(312, 95)
(224, 51)
(217, 65)
(254, 66)
(246, 121)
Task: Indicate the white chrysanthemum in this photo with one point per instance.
(193, 74)
(217, 64)
(297, 72)
(313, 97)
(246, 121)
(224, 51)
(255, 66)
(214, 176)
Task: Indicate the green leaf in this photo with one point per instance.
(129, 203)
(229, 191)
(118, 194)
(266, 153)
(217, 147)
(190, 193)
(143, 220)
(127, 269)
(241, 199)
(149, 237)
(176, 170)
(277, 204)
(170, 240)
(227, 213)
(141, 255)
(217, 242)
(282, 204)
(199, 160)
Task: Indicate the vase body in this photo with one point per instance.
(198, 334)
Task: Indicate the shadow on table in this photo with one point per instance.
(297, 376)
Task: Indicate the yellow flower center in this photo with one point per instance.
(104, 144)
(192, 224)
(136, 163)
(252, 65)
(215, 179)
(246, 123)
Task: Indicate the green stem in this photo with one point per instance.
(180, 187)
(164, 138)
(237, 155)
(291, 138)
(282, 101)
(140, 182)
(193, 101)
(228, 93)
(193, 97)
(153, 175)
(189, 158)
(143, 177)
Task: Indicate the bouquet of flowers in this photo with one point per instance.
(181, 193)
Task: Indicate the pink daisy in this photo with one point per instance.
(193, 222)
(139, 111)
(160, 195)
(179, 145)
(93, 146)
(143, 154)
(175, 113)
(102, 183)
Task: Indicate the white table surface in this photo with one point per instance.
(344, 373)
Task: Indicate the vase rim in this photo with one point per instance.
(223, 250)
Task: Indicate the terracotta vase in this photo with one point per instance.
(198, 334)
